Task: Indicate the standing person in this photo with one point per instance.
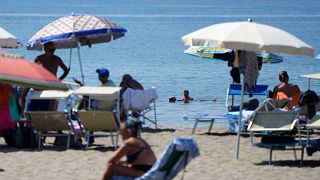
(104, 77)
(138, 153)
(286, 90)
(50, 62)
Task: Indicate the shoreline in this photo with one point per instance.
(216, 160)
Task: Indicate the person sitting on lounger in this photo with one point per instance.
(138, 153)
(285, 90)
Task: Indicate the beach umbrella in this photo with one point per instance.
(250, 37)
(315, 76)
(74, 31)
(28, 74)
(8, 40)
(209, 52)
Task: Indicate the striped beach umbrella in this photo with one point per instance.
(28, 74)
(209, 52)
(74, 31)
(68, 31)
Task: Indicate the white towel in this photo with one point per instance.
(138, 99)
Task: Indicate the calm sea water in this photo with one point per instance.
(152, 51)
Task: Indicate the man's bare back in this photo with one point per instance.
(51, 63)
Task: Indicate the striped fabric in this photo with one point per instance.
(85, 29)
(251, 70)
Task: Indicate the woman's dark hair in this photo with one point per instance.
(283, 76)
(133, 127)
(127, 77)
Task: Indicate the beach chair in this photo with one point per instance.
(174, 159)
(277, 127)
(141, 101)
(313, 143)
(232, 114)
(235, 90)
(100, 123)
(51, 123)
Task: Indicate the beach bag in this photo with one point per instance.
(25, 137)
(308, 97)
(21, 136)
(9, 136)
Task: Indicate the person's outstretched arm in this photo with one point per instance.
(64, 68)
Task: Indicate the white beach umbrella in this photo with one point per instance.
(248, 36)
(72, 31)
(8, 40)
(315, 76)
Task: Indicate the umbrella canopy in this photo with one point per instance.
(248, 36)
(311, 76)
(67, 31)
(70, 31)
(8, 40)
(209, 52)
(28, 74)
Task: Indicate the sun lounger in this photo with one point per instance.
(174, 159)
(142, 101)
(313, 124)
(103, 122)
(230, 116)
(50, 123)
(277, 122)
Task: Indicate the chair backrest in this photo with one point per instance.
(273, 121)
(270, 104)
(235, 90)
(314, 123)
(98, 120)
(176, 156)
(49, 120)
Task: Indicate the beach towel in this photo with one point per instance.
(138, 99)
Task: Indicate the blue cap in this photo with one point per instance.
(103, 72)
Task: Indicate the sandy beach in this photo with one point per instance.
(217, 159)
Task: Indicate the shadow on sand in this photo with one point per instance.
(225, 134)
(149, 130)
(291, 163)
(49, 147)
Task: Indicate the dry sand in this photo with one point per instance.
(217, 159)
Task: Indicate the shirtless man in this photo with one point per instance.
(50, 62)
(286, 89)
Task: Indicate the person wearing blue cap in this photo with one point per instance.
(104, 77)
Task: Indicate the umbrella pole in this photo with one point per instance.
(70, 56)
(79, 58)
(240, 118)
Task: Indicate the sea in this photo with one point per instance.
(152, 50)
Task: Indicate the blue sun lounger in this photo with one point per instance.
(232, 114)
(174, 159)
